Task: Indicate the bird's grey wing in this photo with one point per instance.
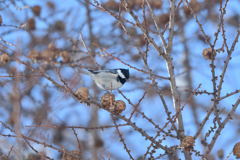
(114, 71)
(102, 71)
(93, 71)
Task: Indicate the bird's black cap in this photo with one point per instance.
(123, 75)
(125, 72)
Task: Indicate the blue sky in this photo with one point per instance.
(66, 109)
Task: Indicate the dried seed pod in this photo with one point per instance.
(52, 46)
(4, 58)
(107, 101)
(32, 156)
(31, 24)
(236, 150)
(82, 93)
(34, 55)
(47, 55)
(208, 53)
(36, 10)
(72, 155)
(156, 4)
(188, 143)
(194, 5)
(119, 106)
(65, 55)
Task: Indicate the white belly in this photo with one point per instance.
(108, 84)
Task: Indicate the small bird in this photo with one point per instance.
(110, 79)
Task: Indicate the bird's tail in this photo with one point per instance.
(89, 72)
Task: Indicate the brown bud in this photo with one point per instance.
(208, 53)
(12, 70)
(134, 4)
(203, 38)
(4, 58)
(119, 106)
(82, 93)
(188, 143)
(187, 11)
(51, 5)
(194, 5)
(163, 19)
(107, 101)
(36, 10)
(236, 150)
(98, 142)
(1, 20)
(136, 57)
(141, 41)
(220, 153)
(31, 25)
(59, 25)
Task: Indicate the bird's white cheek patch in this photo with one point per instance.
(120, 74)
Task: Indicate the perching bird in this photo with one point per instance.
(109, 79)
